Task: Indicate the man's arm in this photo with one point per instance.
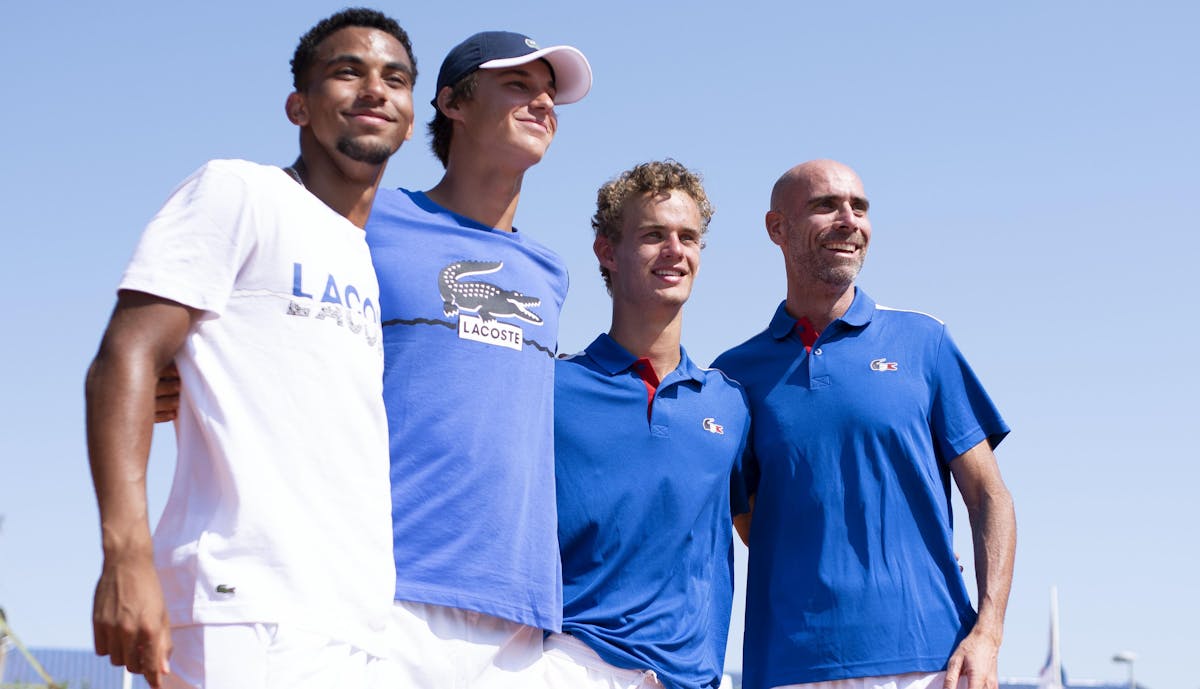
(129, 618)
(994, 535)
(741, 523)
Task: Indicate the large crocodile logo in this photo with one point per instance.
(483, 299)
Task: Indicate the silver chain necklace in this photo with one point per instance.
(294, 175)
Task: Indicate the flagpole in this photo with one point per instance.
(1055, 657)
(1052, 674)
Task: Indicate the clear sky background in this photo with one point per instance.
(1032, 168)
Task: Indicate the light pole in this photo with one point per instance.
(1127, 657)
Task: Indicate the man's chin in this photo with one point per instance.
(842, 276)
(370, 152)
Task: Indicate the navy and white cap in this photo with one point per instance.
(501, 49)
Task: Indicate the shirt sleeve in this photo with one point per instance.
(743, 481)
(193, 248)
(962, 414)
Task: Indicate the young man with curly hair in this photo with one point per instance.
(645, 441)
(269, 567)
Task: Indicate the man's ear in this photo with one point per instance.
(297, 109)
(444, 98)
(775, 229)
(603, 249)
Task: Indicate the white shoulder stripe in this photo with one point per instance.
(919, 313)
(726, 376)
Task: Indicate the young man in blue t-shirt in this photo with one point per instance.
(644, 444)
(470, 312)
(861, 416)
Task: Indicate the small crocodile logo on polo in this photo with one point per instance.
(485, 300)
(710, 424)
(226, 588)
(884, 365)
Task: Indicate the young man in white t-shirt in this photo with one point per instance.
(476, 553)
(270, 565)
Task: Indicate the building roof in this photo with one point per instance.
(76, 668)
(1070, 684)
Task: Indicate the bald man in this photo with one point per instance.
(861, 414)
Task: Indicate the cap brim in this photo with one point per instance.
(572, 73)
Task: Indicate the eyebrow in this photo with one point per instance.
(350, 58)
(525, 73)
(663, 226)
(854, 200)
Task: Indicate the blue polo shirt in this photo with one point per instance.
(852, 569)
(643, 511)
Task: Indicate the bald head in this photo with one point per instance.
(796, 182)
(818, 218)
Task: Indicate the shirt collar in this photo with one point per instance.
(858, 315)
(614, 359)
(861, 310)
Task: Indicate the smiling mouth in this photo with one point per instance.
(668, 273)
(841, 247)
(363, 116)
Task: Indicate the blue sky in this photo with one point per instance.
(1033, 175)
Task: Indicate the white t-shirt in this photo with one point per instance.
(280, 507)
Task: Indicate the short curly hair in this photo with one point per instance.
(654, 177)
(441, 129)
(306, 51)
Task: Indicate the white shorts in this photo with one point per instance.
(568, 663)
(911, 680)
(435, 647)
(267, 656)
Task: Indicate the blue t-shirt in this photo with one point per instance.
(852, 569)
(643, 511)
(470, 327)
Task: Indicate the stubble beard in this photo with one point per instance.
(370, 152)
(839, 275)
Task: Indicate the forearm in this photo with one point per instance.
(143, 336)
(994, 535)
(129, 619)
(120, 413)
